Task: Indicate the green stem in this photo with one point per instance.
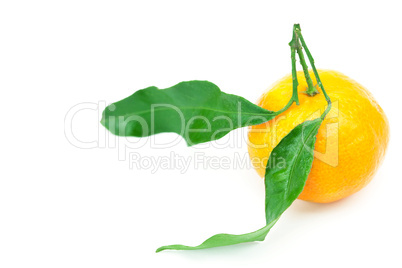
(311, 60)
(311, 90)
(293, 44)
(295, 96)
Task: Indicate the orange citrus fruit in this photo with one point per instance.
(351, 141)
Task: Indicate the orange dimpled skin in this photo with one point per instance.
(351, 141)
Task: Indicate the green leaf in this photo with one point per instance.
(220, 240)
(197, 110)
(283, 183)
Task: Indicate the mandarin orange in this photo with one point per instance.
(351, 141)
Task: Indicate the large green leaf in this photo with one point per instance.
(197, 110)
(283, 183)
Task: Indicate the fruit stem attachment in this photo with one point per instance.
(311, 90)
(297, 30)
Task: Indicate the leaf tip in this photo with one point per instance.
(161, 249)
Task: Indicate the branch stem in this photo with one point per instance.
(295, 82)
(311, 60)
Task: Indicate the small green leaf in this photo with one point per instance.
(283, 184)
(197, 110)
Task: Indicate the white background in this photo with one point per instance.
(62, 206)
